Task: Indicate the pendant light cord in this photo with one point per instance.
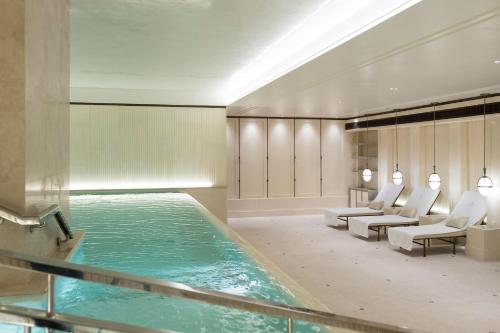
(367, 152)
(484, 136)
(434, 164)
(397, 149)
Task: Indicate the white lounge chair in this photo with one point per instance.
(388, 195)
(471, 205)
(421, 201)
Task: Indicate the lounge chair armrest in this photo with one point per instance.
(392, 210)
(431, 219)
(363, 203)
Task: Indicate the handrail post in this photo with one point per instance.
(290, 325)
(50, 294)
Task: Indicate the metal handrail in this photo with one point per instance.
(82, 272)
(30, 318)
(37, 220)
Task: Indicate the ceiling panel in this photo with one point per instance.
(434, 51)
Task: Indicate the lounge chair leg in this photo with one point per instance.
(425, 247)
(378, 234)
(454, 245)
(385, 230)
(347, 221)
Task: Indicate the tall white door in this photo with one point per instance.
(307, 163)
(253, 149)
(280, 158)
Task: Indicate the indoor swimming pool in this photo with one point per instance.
(164, 236)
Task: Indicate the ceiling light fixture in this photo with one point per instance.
(397, 175)
(434, 179)
(367, 173)
(484, 184)
(497, 62)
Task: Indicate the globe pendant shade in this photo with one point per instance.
(434, 181)
(485, 185)
(397, 177)
(367, 175)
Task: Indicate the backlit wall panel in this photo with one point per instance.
(253, 152)
(307, 163)
(336, 173)
(280, 158)
(131, 147)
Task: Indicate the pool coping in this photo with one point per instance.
(304, 297)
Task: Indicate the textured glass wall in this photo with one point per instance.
(131, 147)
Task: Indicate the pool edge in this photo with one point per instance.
(304, 297)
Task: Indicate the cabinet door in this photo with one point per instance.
(307, 163)
(280, 158)
(253, 158)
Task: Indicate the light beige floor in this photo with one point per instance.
(371, 280)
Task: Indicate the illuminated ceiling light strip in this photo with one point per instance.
(333, 23)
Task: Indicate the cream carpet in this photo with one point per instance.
(371, 280)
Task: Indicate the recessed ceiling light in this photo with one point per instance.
(497, 62)
(393, 89)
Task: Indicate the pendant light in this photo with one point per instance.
(397, 176)
(434, 179)
(367, 173)
(484, 184)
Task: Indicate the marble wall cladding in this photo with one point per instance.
(47, 104)
(34, 123)
(12, 79)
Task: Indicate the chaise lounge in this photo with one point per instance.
(384, 199)
(419, 203)
(470, 210)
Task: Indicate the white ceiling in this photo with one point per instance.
(170, 51)
(436, 50)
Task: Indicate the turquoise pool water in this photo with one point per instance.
(164, 236)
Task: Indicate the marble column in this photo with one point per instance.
(34, 122)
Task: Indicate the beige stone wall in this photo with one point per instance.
(34, 122)
(12, 104)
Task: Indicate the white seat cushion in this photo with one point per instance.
(404, 236)
(360, 225)
(332, 214)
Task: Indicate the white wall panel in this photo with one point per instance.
(232, 157)
(253, 149)
(118, 147)
(280, 158)
(335, 158)
(307, 163)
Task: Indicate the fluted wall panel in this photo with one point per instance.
(132, 147)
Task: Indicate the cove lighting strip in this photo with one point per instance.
(333, 23)
(137, 185)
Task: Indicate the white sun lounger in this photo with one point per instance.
(422, 198)
(389, 194)
(471, 205)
